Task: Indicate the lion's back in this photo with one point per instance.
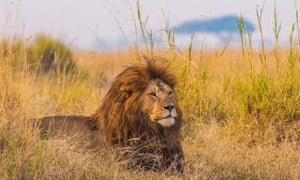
(63, 125)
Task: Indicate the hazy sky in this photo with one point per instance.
(98, 24)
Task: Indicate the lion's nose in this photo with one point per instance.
(169, 107)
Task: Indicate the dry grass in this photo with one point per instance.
(222, 138)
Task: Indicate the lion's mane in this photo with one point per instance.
(121, 119)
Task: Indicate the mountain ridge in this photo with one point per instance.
(227, 23)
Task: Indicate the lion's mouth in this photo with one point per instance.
(167, 121)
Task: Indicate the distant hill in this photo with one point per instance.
(217, 25)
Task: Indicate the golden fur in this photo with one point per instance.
(126, 116)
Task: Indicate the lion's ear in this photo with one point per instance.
(126, 87)
(130, 87)
(126, 90)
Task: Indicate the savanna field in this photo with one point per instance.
(241, 109)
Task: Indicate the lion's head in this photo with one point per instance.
(142, 104)
(158, 101)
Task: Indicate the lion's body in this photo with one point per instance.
(139, 117)
(75, 128)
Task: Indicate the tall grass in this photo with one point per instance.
(241, 109)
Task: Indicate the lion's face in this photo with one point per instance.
(159, 103)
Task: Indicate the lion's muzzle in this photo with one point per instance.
(167, 122)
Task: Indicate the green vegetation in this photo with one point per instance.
(241, 109)
(51, 55)
(45, 55)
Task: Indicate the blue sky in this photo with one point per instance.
(103, 24)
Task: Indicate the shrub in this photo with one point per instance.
(50, 55)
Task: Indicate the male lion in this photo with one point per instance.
(140, 118)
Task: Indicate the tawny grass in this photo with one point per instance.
(241, 118)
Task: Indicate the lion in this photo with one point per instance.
(140, 118)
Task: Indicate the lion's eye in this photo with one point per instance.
(170, 93)
(152, 94)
